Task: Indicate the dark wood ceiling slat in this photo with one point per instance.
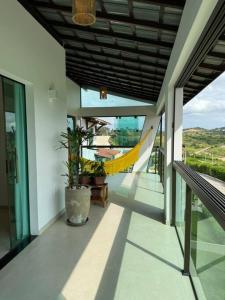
(124, 50)
(118, 48)
(109, 84)
(166, 3)
(118, 92)
(122, 36)
(96, 67)
(115, 80)
(123, 20)
(82, 72)
(97, 84)
(105, 55)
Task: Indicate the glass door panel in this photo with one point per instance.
(4, 207)
(16, 160)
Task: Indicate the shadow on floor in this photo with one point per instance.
(144, 209)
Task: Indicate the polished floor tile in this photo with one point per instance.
(123, 252)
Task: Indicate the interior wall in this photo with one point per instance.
(31, 56)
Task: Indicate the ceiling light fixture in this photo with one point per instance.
(103, 93)
(84, 12)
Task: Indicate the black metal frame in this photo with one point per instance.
(203, 50)
(212, 198)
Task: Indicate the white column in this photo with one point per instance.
(169, 108)
(173, 143)
(178, 124)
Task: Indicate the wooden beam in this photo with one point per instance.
(95, 68)
(116, 89)
(138, 60)
(115, 47)
(109, 65)
(125, 37)
(179, 4)
(119, 58)
(115, 80)
(124, 20)
(84, 74)
(121, 62)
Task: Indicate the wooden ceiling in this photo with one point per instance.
(127, 49)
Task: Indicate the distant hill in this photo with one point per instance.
(199, 140)
(194, 129)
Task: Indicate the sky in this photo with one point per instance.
(207, 109)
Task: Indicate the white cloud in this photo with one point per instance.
(205, 106)
(211, 99)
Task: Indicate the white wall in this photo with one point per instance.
(31, 56)
(73, 97)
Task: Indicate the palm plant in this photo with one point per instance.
(72, 141)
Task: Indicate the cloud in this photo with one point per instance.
(210, 100)
(201, 106)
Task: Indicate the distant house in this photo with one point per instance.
(103, 155)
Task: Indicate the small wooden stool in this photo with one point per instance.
(99, 194)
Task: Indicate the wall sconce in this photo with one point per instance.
(52, 94)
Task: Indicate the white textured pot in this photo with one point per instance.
(77, 205)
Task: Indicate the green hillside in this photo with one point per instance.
(204, 150)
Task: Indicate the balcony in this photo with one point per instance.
(123, 252)
(162, 233)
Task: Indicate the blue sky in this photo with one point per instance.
(207, 109)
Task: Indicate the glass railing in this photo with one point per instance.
(207, 265)
(199, 212)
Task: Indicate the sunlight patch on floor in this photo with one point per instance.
(85, 279)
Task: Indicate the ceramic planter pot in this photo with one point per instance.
(85, 179)
(99, 180)
(77, 205)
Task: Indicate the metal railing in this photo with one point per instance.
(199, 217)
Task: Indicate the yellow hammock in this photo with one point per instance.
(121, 163)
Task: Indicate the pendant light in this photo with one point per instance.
(103, 93)
(84, 12)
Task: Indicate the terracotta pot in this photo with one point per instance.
(99, 180)
(77, 205)
(85, 179)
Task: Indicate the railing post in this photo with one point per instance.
(173, 223)
(187, 241)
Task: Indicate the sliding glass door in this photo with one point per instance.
(14, 176)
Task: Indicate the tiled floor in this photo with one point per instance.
(123, 252)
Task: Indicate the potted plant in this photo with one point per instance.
(85, 176)
(77, 196)
(99, 174)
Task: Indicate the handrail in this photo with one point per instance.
(210, 196)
